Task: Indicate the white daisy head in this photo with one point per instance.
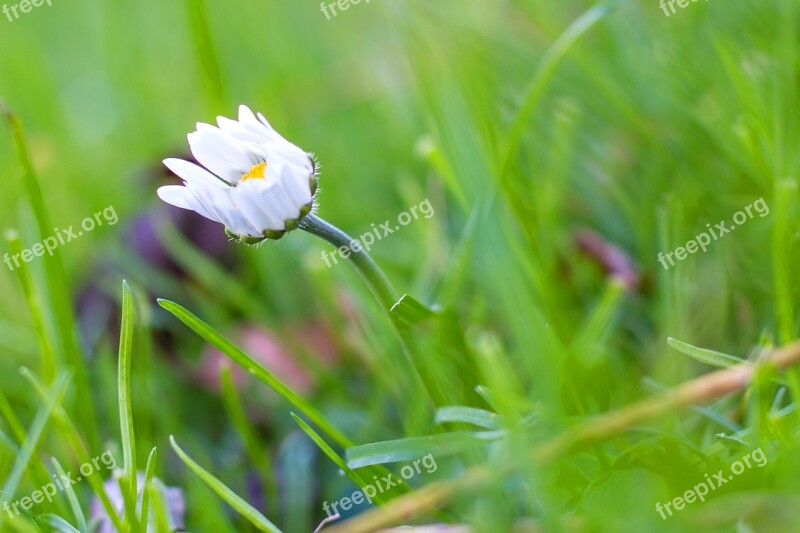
(255, 182)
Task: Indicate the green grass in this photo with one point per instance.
(525, 123)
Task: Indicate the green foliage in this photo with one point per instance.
(528, 125)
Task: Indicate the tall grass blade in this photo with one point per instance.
(149, 474)
(54, 396)
(71, 497)
(234, 500)
(468, 415)
(59, 298)
(332, 455)
(257, 453)
(248, 363)
(412, 448)
(72, 434)
(128, 482)
(709, 357)
(49, 364)
(59, 524)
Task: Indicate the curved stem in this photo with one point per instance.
(379, 284)
(368, 269)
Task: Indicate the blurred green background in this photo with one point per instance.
(634, 130)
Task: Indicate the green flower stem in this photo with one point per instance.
(380, 286)
(368, 269)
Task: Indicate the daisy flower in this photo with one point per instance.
(260, 186)
(252, 180)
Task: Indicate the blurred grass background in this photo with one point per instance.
(651, 127)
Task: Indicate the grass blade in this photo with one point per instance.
(58, 523)
(415, 447)
(71, 497)
(160, 511)
(129, 481)
(26, 281)
(332, 455)
(52, 400)
(410, 311)
(709, 357)
(544, 72)
(234, 500)
(257, 453)
(248, 363)
(56, 281)
(468, 415)
(205, 52)
(70, 433)
(6, 441)
(149, 473)
(589, 341)
(11, 418)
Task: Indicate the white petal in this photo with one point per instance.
(296, 185)
(294, 157)
(240, 225)
(220, 153)
(191, 173)
(246, 115)
(249, 197)
(212, 203)
(182, 197)
(176, 195)
(255, 133)
(220, 203)
(272, 135)
(212, 141)
(250, 136)
(227, 124)
(273, 144)
(278, 202)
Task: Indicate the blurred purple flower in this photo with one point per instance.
(173, 500)
(141, 234)
(616, 263)
(96, 310)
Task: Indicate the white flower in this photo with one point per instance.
(255, 182)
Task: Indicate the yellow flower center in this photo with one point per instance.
(257, 172)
